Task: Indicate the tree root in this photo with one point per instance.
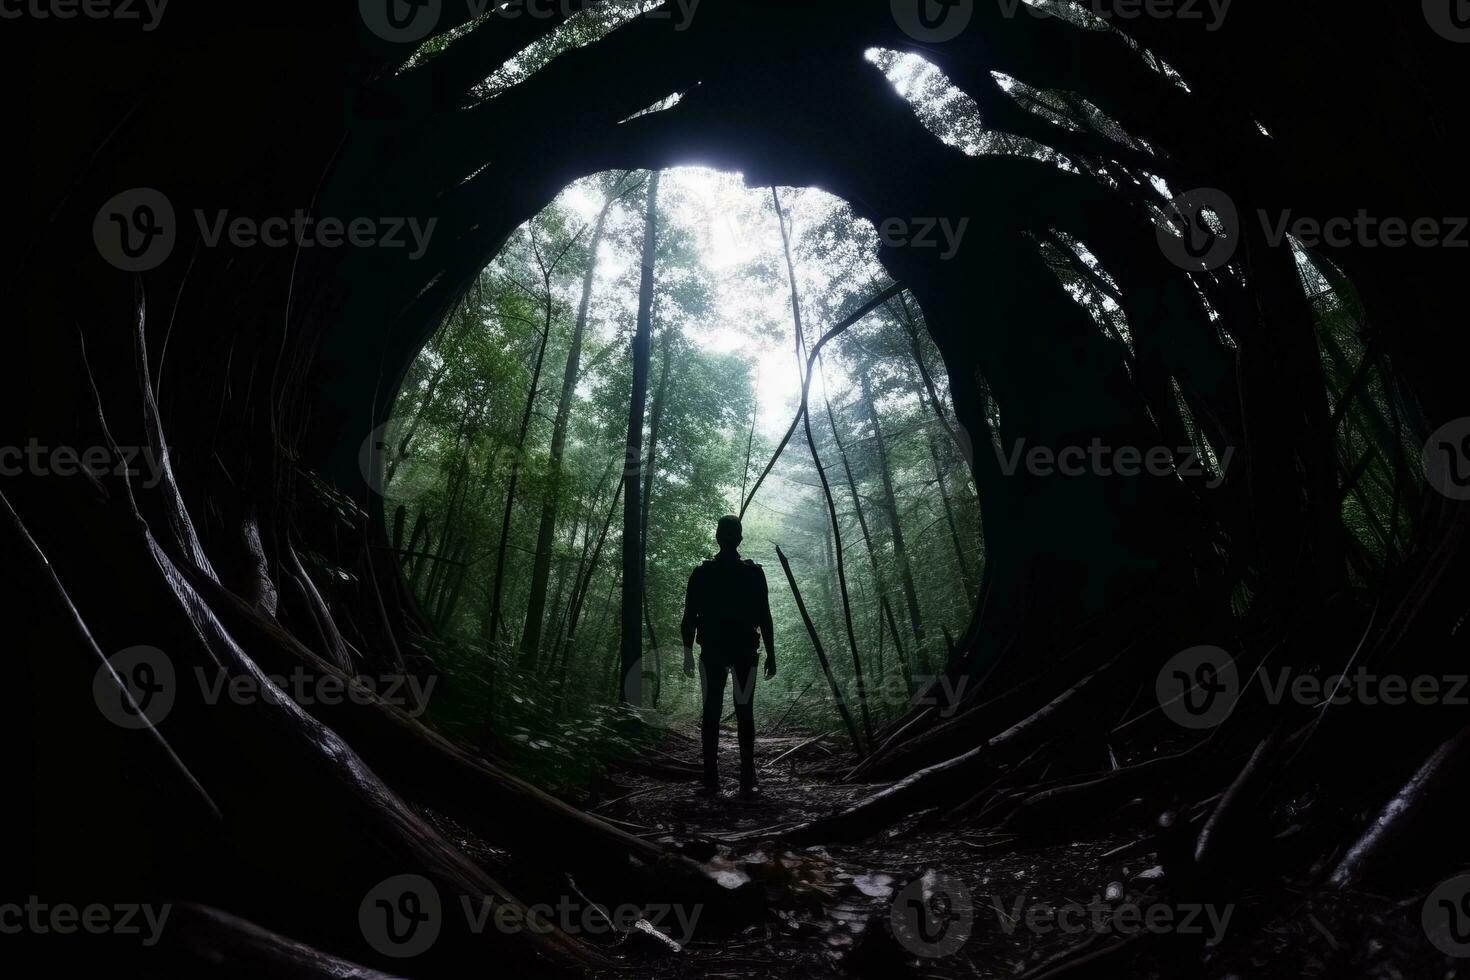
(946, 780)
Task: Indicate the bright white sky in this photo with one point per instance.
(736, 233)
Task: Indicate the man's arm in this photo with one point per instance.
(767, 628)
(689, 625)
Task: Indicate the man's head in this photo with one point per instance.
(728, 533)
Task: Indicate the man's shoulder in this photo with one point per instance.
(712, 563)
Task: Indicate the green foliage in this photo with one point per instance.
(1377, 426)
(558, 750)
(722, 334)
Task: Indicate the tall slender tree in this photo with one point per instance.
(886, 607)
(630, 654)
(801, 362)
(660, 400)
(895, 523)
(551, 501)
(547, 267)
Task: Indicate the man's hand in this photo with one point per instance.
(770, 665)
(688, 662)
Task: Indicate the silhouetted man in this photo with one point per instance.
(727, 610)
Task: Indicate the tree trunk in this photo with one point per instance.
(966, 578)
(581, 597)
(829, 597)
(561, 605)
(630, 690)
(497, 589)
(660, 400)
(801, 358)
(420, 535)
(405, 444)
(927, 386)
(886, 608)
(458, 479)
(579, 579)
(900, 553)
(546, 533)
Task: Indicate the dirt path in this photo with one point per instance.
(998, 907)
(840, 910)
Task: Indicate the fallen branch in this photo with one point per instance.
(806, 385)
(934, 785)
(799, 745)
(811, 631)
(1437, 786)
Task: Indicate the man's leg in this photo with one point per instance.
(712, 671)
(744, 670)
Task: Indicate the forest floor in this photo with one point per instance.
(838, 910)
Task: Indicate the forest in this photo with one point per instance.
(1080, 372)
(505, 461)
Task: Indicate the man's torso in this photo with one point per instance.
(728, 595)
